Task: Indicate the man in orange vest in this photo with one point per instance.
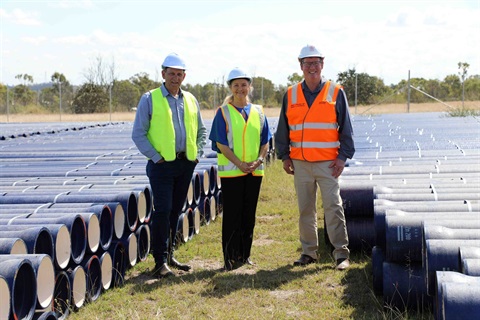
(314, 138)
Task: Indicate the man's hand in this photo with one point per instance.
(337, 165)
(288, 166)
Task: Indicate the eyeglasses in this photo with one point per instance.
(312, 64)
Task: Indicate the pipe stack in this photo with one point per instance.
(76, 195)
(416, 179)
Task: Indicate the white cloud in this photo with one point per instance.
(21, 17)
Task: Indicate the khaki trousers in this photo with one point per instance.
(308, 177)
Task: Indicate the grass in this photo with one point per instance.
(272, 289)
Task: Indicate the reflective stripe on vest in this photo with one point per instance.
(314, 130)
(161, 133)
(243, 139)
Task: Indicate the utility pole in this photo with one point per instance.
(408, 92)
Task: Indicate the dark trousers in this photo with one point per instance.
(169, 182)
(240, 198)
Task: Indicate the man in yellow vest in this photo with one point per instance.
(314, 138)
(169, 130)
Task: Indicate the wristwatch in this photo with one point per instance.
(260, 159)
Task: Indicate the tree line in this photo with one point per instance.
(103, 92)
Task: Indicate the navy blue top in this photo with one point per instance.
(218, 132)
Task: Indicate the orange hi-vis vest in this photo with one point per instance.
(313, 131)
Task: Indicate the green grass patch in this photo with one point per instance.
(272, 289)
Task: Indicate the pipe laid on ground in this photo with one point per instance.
(44, 274)
(4, 302)
(404, 232)
(37, 239)
(103, 213)
(130, 244)
(127, 199)
(106, 266)
(143, 241)
(47, 315)
(443, 254)
(93, 273)
(12, 246)
(119, 262)
(457, 296)
(204, 207)
(78, 283)
(62, 248)
(470, 267)
(20, 277)
(62, 295)
(76, 226)
(197, 220)
(414, 208)
(404, 287)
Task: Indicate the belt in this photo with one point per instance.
(181, 155)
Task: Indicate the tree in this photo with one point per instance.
(463, 69)
(452, 84)
(22, 92)
(294, 78)
(3, 98)
(125, 95)
(263, 91)
(472, 88)
(369, 88)
(90, 98)
(143, 82)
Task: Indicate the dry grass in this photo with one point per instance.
(270, 112)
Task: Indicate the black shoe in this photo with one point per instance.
(232, 264)
(249, 262)
(178, 265)
(342, 264)
(162, 272)
(304, 260)
(228, 266)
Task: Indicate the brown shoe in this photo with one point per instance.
(342, 264)
(304, 260)
(162, 272)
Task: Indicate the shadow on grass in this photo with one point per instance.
(219, 283)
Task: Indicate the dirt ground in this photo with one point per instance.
(270, 112)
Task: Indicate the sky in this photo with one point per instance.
(387, 39)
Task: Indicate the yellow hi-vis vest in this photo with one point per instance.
(161, 133)
(243, 138)
(313, 131)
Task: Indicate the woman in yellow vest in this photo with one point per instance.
(240, 135)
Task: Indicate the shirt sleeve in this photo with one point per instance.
(345, 129)
(218, 131)
(141, 125)
(201, 133)
(282, 134)
(266, 135)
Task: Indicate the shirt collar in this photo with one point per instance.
(317, 89)
(165, 92)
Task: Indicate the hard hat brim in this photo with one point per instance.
(246, 78)
(174, 67)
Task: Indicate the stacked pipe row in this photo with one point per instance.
(415, 180)
(75, 207)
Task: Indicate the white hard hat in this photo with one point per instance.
(237, 73)
(310, 51)
(173, 61)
